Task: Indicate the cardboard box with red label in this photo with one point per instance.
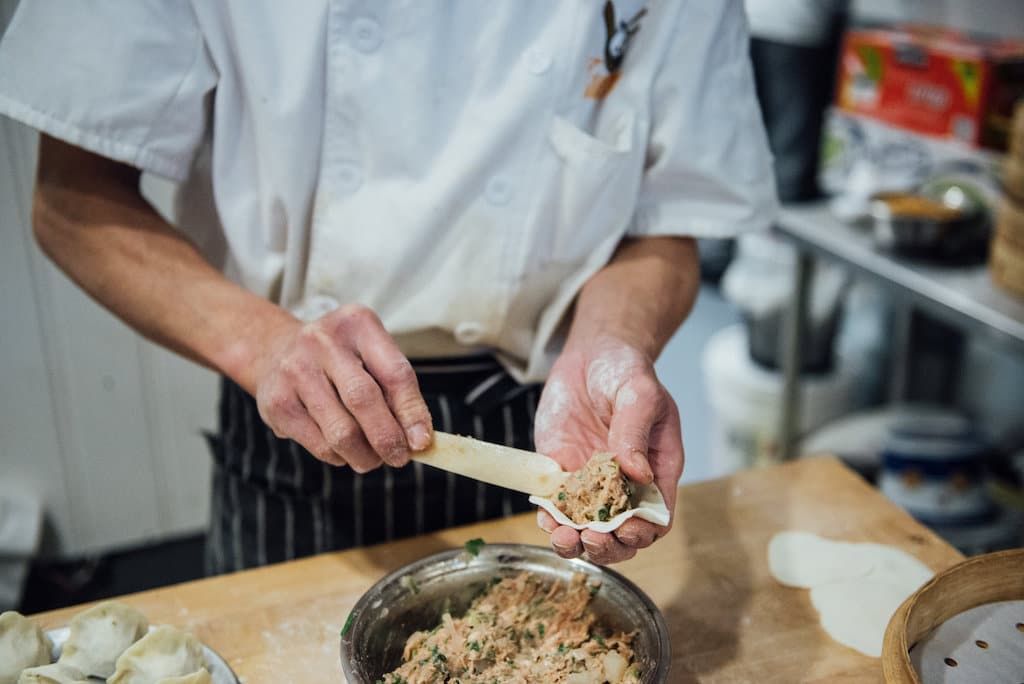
(932, 81)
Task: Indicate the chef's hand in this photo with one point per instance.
(340, 387)
(603, 395)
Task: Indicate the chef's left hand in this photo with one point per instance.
(603, 395)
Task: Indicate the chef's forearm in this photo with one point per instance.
(642, 295)
(91, 220)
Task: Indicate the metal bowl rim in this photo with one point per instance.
(664, 658)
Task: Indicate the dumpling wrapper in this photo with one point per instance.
(198, 677)
(22, 645)
(99, 635)
(805, 560)
(165, 653)
(650, 506)
(56, 673)
(855, 587)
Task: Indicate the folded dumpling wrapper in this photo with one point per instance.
(57, 673)
(650, 506)
(22, 645)
(99, 635)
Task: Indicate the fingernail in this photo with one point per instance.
(543, 518)
(643, 468)
(418, 436)
(398, 457)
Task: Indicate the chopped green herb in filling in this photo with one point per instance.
(522, 628)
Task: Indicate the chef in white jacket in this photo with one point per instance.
(395, 216)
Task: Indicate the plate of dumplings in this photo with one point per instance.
(110, 642)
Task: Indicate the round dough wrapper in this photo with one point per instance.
(856, 612)
(22, 645)
(99, 635)
(166, 652)
(803, 559)
(855, 587)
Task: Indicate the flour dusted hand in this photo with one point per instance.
(341, 388)
(603, 396)
(22, 645)
(99, 635)
(166, 655)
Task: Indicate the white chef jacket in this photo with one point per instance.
(449, 164)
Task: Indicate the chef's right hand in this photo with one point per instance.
(340, 387)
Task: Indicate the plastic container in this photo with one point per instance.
(746, 399)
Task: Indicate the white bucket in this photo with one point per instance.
(746, 401)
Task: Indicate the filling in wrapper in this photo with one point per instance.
(596, 492)
(521, 630)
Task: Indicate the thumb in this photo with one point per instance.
(638, 406)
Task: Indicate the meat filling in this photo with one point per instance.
(521, 630)
(596, 492)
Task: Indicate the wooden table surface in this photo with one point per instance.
(729, 621)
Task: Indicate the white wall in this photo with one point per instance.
(102, 425)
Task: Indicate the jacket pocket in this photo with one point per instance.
(594, 186)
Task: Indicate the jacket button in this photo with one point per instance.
(498, 191)
(469, 332)
(537, 61)
(366, 35)
(348, 177)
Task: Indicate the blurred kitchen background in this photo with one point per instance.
(882, 320)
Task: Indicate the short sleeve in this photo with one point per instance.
(125, 79)
(708, 171)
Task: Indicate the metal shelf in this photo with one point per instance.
(962, 296)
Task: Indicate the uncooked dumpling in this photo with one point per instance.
(22, 645)
(198, 677)
(52, 674)
(164, 653)
(99, 635)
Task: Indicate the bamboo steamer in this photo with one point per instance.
(1006, 256)
(1017, 131)
(1006, 265)
(1013, 177)
(1010, 223)
(974, 582)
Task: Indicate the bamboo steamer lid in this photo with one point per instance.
(974, 582)
(1006, 264)
(1010, 222)
(1013, 178)
(1017, 131)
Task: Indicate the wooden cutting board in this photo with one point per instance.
(729, 621)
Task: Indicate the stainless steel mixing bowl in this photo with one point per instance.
(414, 597)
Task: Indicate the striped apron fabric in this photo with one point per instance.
(273, 501)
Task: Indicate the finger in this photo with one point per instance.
(566, 542)
(364, 400)
(638, 534)
(603, 548)
(395, 375)
(545, 521)
(288, 418)
(638, 406)
(338, 428)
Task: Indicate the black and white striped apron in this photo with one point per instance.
(273, 501)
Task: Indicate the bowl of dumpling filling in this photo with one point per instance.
(509, 613)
